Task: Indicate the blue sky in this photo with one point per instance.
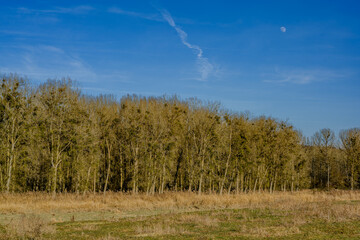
(235, 52)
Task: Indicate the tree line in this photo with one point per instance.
(55, 139)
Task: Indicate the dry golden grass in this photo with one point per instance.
(118, 202)
(274, 231)
(208, 221)
(28, 227)
(157, 230)
(259, 215)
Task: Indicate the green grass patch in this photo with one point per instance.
(257, 223)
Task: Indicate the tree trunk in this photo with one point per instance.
(94, 186)
(121, 172)
(328, 177)
(135, 170)
(11, 156)
(107, 177)
(237, 182)
(352, 177)
(200, 183)
(201, 174)
(87, 180)
(227, 165)
(242, 185)
(163, 176)
(109, 164)
(178, 162)
(255, 184)
(229, 190)
(8, 182)
(260, 184)
(55, 180)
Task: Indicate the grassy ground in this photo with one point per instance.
(300, 215)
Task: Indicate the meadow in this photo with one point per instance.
(181, 215)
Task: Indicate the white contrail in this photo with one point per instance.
(205, 68)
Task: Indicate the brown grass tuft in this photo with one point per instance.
(157, 229)
(28, 227)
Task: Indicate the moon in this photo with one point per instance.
(283, 29)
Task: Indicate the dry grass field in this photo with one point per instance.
(280, 215)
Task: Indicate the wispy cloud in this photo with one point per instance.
(152, 17)
(60, 10)
(45, 61)
(52, 49)
(303, 76)
(205, 68)
(21, 33)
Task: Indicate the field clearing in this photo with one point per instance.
(182, 215)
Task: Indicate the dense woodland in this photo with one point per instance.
(55, 139)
